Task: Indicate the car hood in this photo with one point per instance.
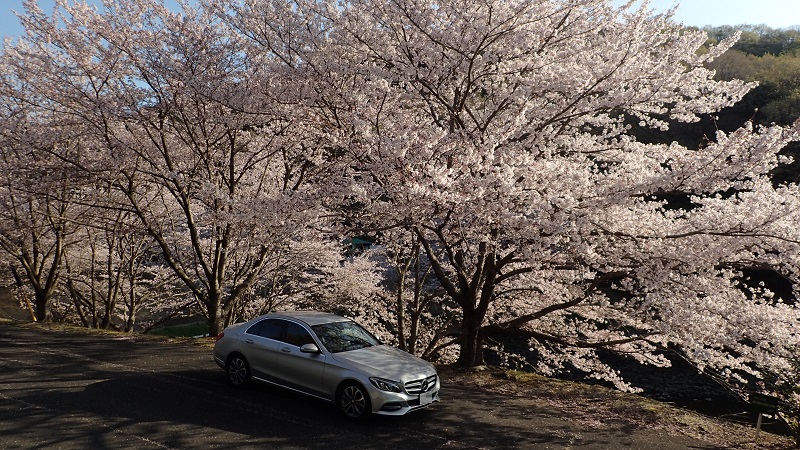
(386, 362)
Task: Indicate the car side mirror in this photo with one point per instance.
(309, 348)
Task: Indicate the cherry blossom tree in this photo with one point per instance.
(95, 289)
(116, 273)
(412, 305)
(497, 133)
(33, 236)
(208, 156)
(406, 310)
(40, 206)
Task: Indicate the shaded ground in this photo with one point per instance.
(62, 387)
(598, 407)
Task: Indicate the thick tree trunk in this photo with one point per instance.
(471, 340)
(216, 315)
(42, 307)
(473, 293)
(215, 325)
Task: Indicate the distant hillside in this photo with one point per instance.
(759, 40)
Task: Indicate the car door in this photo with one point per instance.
(261, 346)
(298, 370)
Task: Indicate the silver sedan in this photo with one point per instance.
(329, 357)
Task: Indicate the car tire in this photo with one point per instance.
(237, 370)
(352, 400)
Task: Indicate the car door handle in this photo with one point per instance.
(249, 341)
(286, 350)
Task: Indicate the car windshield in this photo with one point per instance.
(344, 336)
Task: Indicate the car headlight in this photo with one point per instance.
(386, 385)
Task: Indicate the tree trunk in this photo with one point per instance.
(471, 340)
(216, 316)
(42, 307)
(215, 325)
(131, 306)
(400, 311)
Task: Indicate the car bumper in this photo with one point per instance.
(219, 361)
(397, 404)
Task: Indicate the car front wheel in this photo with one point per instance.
(238, 370)
(353, 401)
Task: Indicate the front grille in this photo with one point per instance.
(420, 386)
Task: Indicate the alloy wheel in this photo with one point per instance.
(353, 401)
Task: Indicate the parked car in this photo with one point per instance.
(329, 357)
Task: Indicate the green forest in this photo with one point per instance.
(768, 56)
(771, 57)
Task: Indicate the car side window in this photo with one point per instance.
(297, 335)
(268, 328)
(255, 328)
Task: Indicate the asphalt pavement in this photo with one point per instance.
(66, 390)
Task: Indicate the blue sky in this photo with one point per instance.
(774, 13)
(9, 24)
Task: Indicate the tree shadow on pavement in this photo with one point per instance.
(197, 409)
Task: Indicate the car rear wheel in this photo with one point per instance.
(238, 370)
(353, 401)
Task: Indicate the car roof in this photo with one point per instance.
(311, 318)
